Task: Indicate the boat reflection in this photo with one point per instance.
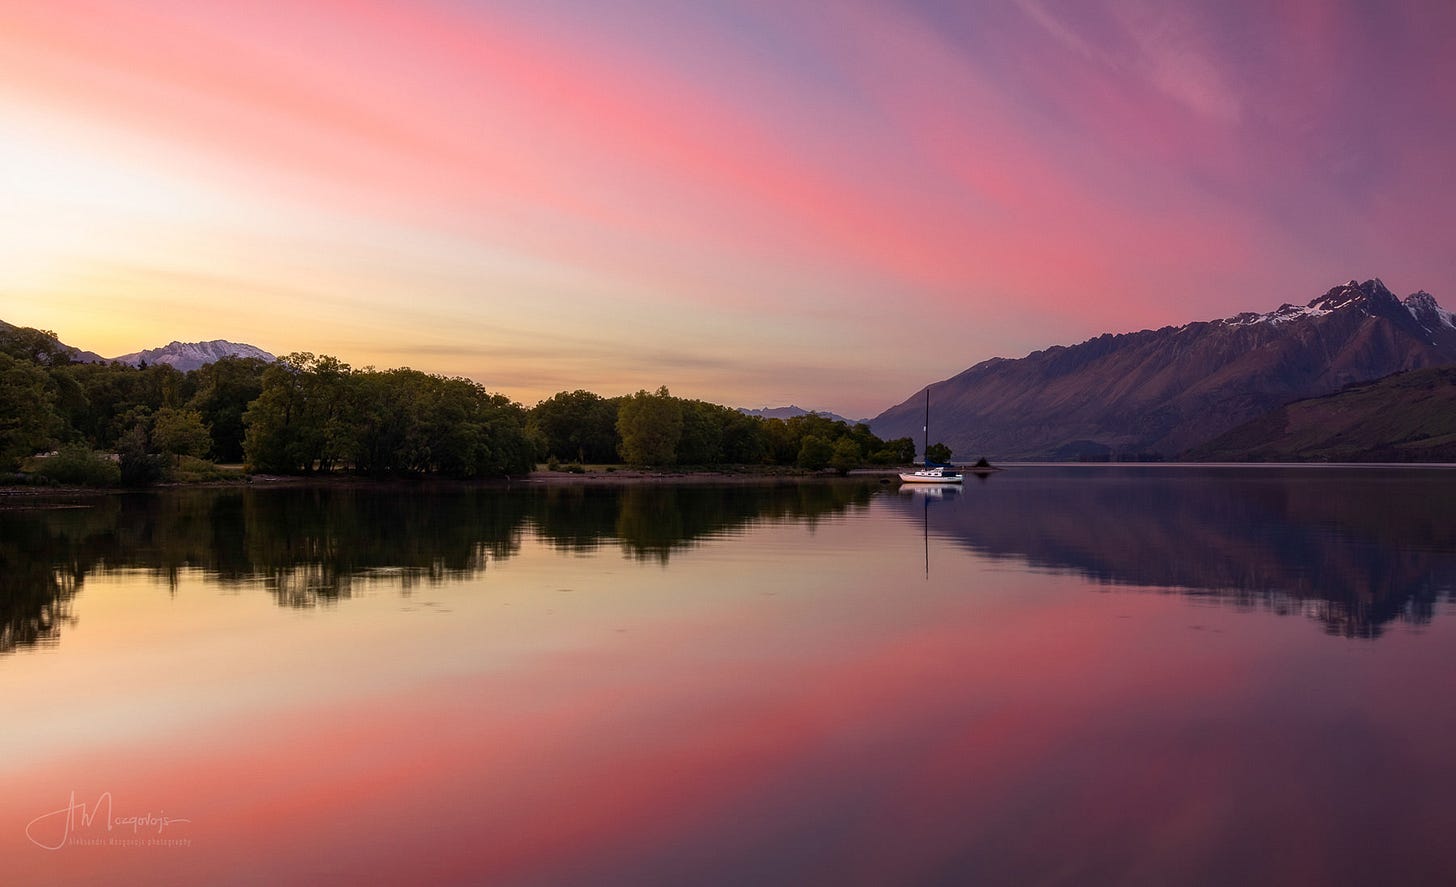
(1354, 549)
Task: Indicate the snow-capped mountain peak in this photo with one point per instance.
(187, 356)
(1164, 391)
(1370, 297)
(1427, 311)
(1363, 295)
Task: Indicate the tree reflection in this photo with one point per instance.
(654, 521)
(651, 522)
(311, 547)
(1356, 551)
(44, 559)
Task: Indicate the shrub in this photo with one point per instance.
(81, 466)
(191, 470)
(138, 467)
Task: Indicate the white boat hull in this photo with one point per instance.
(933, 476)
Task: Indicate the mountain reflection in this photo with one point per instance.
(1355, 549)
(311, 547)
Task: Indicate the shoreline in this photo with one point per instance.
(23, 496)
(28, 496)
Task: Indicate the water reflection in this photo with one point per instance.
(41, 570)
(783, 706)
(1354, 549)
(309, 547)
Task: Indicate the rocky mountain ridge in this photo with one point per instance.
(1162, 392)
(187, 356)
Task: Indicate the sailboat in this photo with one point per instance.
(933, 472)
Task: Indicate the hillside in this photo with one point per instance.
(44, 341)
(1407, 417)
(1168, 390)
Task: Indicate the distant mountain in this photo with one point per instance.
(184, 356)
(1168, 390)
(187, 356)
(1407, 417)
(790, 412)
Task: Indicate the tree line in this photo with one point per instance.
(307, 413)
(656, 428)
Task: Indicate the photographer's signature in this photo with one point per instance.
(80, 823)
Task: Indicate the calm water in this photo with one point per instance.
(1058, 676)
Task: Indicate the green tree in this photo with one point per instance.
(474, 433)
(163, 385)
(576, 425)
(745, 441)
(938, 452)
(223, 391)
(180, 432)
(40, 347)
(900, 451)
(701, 441)
(139, 465)
(780, 445)
(300, 421)
(272, 422)
(650, 426)
(28, 420)
(847, 455)
(814, 452)
(384, 413)
(101, 402)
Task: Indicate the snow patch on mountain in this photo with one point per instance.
(186, 356)
(1427, 311)
(1285, 313)
(1353, 296)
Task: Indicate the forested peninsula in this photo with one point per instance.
(73, 422)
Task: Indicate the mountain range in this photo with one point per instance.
(1163, 392)
(184, 356)
(791, 411)
(1311, 381)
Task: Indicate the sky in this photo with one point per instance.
(754, 203)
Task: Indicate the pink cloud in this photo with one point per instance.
(1102, 166)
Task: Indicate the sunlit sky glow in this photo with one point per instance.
(828, 204)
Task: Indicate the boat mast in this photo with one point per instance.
(927, 426)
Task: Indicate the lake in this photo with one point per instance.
(1060, 675)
